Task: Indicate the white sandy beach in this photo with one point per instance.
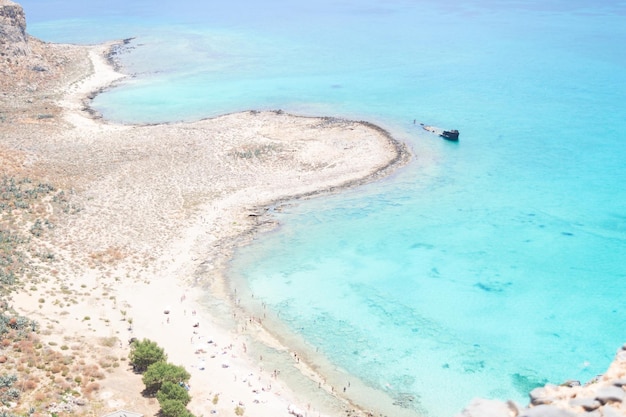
(159, 209)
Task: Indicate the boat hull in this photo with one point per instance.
(452, 135)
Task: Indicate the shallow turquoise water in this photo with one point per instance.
(482, 268)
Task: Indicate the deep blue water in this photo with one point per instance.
(482, 268)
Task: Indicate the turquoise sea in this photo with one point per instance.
(483, 268)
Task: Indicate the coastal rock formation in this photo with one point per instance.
(604, 396)
(29, 66)
(13, 37)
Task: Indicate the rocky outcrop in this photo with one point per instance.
(34, 74)
(13, 37)
(604, 396)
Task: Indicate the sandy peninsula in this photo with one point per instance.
(151, 215)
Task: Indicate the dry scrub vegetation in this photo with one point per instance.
(40, 378)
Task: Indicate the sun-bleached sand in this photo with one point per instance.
(155, 212)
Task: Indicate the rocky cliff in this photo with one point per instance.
(33, 74)
(13, 37)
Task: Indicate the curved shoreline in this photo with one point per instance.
(264, 223)
(131, 237)
(310, 370)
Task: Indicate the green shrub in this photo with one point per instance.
(173, 408)
(171, 391)
(161, 372)
(144, 353)
(22, 326)
(8, 392)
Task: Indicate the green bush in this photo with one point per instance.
(172, 391)
(144, 353)
(8, 392)
(22, 326)
(161, 372)
(174, 408)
